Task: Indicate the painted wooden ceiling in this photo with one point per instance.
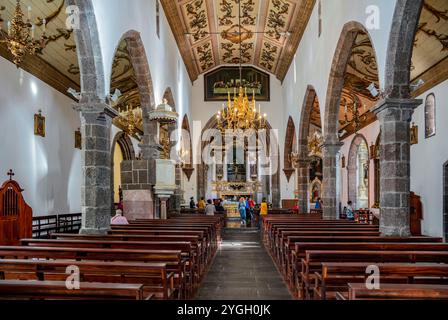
(264, 33)
(60, 50)
(431, 40)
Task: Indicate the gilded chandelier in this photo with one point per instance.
(242, 114)
(131, 119)
(20, 37)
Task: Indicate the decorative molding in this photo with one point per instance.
(188, 172)
(289, 172)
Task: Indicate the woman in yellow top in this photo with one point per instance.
(263, 212)
(201, 204)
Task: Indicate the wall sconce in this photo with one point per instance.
(414, 134)
(39, 124)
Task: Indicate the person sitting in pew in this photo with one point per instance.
(210, 208)
(119, 219)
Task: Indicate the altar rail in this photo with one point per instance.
(44, 226)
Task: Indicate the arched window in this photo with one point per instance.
(430, 116)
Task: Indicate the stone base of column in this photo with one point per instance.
(138, 204)
(96, 223)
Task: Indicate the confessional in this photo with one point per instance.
(16, 217)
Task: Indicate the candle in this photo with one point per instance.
(9, 27)
(29, 13)
(33, 27)
(44, 22)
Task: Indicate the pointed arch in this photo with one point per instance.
(352, 167)
(337, 79)
(305, 120)
(290, 147)
(90, 58)
(401, 44)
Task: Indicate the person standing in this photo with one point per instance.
(263, 211)
(210, 208)
(350, 212)
(192, 203)
(242, 210)
(251, 208)
(201, 204)
(318, 204)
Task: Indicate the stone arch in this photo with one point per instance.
(332, 144)
(127, 148)
(202, 167)
(186, 130)
(337, 77)
(168, 95)
(357, 141)
(89, 53)
(305, 120)
(400, 48)
(140, 64)
(290, 141)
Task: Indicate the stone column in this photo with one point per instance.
(395, 116)
(303, 169)
(96, 193)
(163, 206)
(329, 185)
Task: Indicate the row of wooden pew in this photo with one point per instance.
(338, 259)
(147, 259)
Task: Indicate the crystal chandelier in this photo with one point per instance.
(242, 114)
(20, 37)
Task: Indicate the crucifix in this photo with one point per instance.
(10, 174)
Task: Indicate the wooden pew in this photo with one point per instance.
(335, 277)
(43, 290)
(300, 249)
(172, 258)
(314, 259)
(358, 291)
(153, 276)
(185, 247)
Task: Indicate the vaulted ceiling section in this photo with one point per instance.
(209, 32)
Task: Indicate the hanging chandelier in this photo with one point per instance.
(20, 36)
(242, 114)
(131, 119)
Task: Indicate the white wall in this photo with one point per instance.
(427, 160)
(163, 55)
(49, 169)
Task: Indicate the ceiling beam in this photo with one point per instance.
(175, 22)
(44, 71)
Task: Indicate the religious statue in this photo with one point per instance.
(315, 190)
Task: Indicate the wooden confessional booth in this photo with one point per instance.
(16, 217)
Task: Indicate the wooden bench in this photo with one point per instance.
(153, 276)
(358, 291)
(314, 259)
(43, 290)
(172, 258)
(335, 277)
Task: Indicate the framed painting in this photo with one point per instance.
(39, 124)
(78, 137)
(430, 116)
(219, 82)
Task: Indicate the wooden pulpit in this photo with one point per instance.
(16, 217)
(416, 214)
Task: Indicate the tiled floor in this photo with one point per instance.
(242, 270)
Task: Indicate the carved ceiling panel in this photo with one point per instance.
(210, 33)
(431, 40)
(60, 51)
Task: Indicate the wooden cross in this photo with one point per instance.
(10, 174)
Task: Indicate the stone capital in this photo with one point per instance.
(95, 108)
(331, 148)
(407, 105)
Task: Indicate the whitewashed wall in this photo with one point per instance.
(165, 63)
(427, 160)
(49, 169)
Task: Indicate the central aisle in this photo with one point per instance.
(243, 270)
